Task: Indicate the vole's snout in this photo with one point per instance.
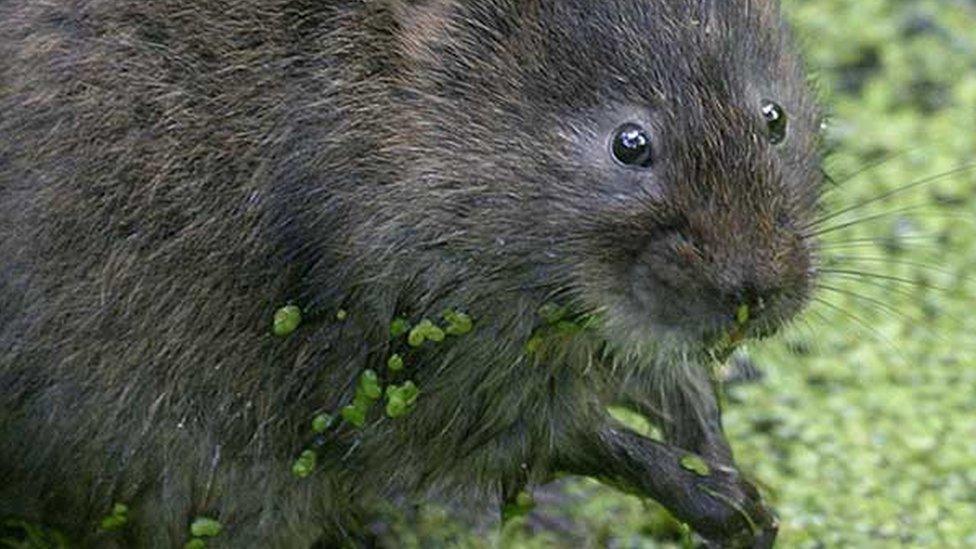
(708, 278)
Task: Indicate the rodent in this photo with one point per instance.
(172, 173)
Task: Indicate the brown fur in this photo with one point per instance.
(173, 171)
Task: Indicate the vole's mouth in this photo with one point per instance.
(692, 326)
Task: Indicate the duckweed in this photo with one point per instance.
(425, 331)
(204, 527)
(458, 323)
(322, 422)
(521, 506)
(395, 363)
(286, 320)
(117, 519)
(695, 464)
(400, 399)
(355, 414)
(742, 315)
(304, 465)
(369, 385)
(399, 326)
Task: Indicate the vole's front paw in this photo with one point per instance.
(732, 513)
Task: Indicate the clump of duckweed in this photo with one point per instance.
(369, 385)
(322, 422)
(368, 390)
(400, 399)
(425, 331)
(354, 415)
(696, 465)
(519, 507)
(399, 326)
(201, 528)
(742, 315)
(117, 519)
(204, 527)
(395, 363)
(286, 320)
(305, 464)
(458, 323)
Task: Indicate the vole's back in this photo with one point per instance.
(148, 154)
(173, 172)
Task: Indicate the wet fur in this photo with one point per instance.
(171, 172)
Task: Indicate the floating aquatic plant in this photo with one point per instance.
(286, 320)
(305, 464)
(400, 399)
(395, 363)
(695, 464)
(117, 519)
(425, 331)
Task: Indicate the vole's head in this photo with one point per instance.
(657, 160)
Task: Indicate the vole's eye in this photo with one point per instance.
(631, 146)
(775, 121)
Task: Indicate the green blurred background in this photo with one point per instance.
(862, 432)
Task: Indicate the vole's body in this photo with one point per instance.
(173, 172)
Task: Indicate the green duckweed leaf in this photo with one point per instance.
(302, 467)
(696, 465)
(204, 527)
(742, 315)
(286, 320)
(355, 415)
(112, 523)
(321, 422)
(400, 399)
(458, 323)
(399, 326)
(435, 334)
(417, 337)
(369, 385)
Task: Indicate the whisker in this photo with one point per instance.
(928, 243)
(829, 179)
(879, 276)
(889, 194)
(900, 314)
(877, 302)
(869, 166)
(873, 217)
(898, 288)
(854, 318)
(890, 261)
(883, 240)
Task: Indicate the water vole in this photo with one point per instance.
(175, 172)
